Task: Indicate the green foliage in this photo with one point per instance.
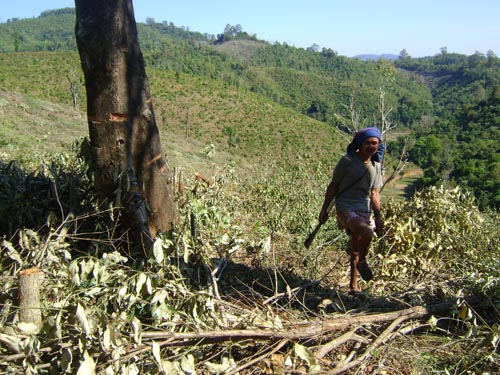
(465, 151)
(459, 145)
(437, 233)
(478, 164)
(233, 33)
(51, 31)
(42, 75)
(325, 78)
(456, 80)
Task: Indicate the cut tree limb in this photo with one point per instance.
(29, 296)
(383, 337)
(335, 343)
(308, 330)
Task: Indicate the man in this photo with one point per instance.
(355, 186)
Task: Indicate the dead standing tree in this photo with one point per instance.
(124, 137)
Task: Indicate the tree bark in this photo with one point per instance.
(29, 297)
(124, 137)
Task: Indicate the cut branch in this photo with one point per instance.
(386, 335)
(29, 297)
(304, 331)
(331, 345)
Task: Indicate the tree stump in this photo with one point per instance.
(29, 296)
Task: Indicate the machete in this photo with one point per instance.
(313, 234)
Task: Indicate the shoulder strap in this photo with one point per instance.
(351, 185)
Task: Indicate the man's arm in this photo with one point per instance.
(375, 201)
(376, 207)
(331, 190)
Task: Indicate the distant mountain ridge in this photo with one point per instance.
(373, 57)
(169, 29)
(316, 83)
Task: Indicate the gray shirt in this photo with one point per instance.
(354, 181)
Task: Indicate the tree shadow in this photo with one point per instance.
(23, 199)
(412, 188)
(32, 197)
(252, 285)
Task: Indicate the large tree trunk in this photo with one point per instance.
(124, 137)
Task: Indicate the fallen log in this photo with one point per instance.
(304, 330)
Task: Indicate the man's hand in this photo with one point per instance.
(323, 217)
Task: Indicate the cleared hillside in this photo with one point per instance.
(30, 126)
(241, 49)
(192, 114)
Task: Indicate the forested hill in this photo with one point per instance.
(448, 103)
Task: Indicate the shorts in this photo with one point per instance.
(344, 217)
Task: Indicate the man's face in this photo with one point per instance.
(370, 146)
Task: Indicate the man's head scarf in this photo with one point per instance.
(362, 136)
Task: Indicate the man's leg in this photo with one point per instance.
(361, 237)
(353, 263)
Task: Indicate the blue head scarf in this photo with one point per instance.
(362, 136)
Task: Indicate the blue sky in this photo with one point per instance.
(350, 27)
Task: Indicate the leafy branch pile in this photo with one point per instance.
(440, 234)
(234, 290)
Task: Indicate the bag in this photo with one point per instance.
(379, 154)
